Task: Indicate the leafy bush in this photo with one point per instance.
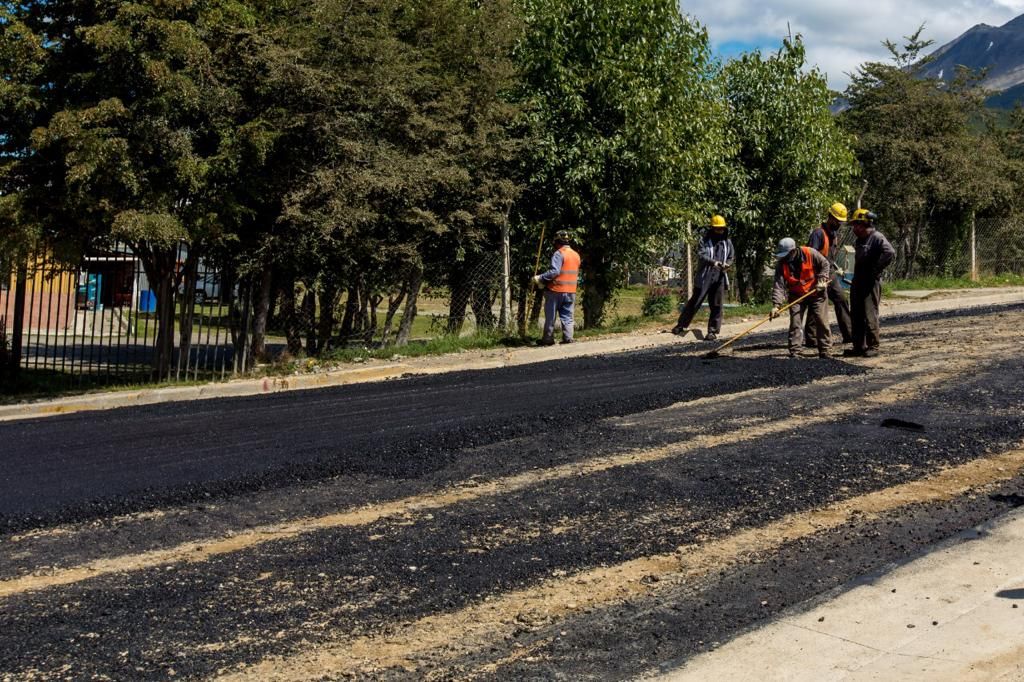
(658, 301)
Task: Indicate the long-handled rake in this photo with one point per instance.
(718, 351)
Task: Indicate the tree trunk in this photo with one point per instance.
(187, 313)
(597, 273)
(309, 320)
(409, 316)
(482, 303)
(351, 310)
(261, 314)
(160, 265)
(325, 325)
(289, 314)
(394, 303)
(521, 303)
(241, 325)
(364, 311)
(461, 287)
(372, 320)
(535, 308)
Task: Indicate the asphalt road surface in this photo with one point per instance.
(596, 518)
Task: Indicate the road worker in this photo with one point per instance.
(716, 254)
(559, 284)
(799, 272)
(873, 253)
(825, 240)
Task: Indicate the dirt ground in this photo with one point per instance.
(593, 518)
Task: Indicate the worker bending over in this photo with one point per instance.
(716, 255)
(802, 271)
(873, 253)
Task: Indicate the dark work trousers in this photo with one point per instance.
(816, 309)
(865, 299)
(842, 308)
(714, 292)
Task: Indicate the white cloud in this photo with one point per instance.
(841, 34)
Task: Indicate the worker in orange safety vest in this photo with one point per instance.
(559, 284)
(802, 271)
(825, 240)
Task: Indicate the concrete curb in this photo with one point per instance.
(230, 389)
(483, 360)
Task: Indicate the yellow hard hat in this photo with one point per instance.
(862, 215)
(717, 222)
(838, 211)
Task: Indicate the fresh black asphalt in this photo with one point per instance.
(76, 466)
(145, 624)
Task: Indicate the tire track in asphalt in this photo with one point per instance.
(416, 506)
(481, 625)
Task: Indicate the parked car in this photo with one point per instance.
(207, 287)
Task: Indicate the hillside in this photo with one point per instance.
(998, 50)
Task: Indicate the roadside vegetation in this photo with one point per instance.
(342, 162)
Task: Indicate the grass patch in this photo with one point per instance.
(984, 282)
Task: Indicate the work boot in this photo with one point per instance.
(853, 353)
(794, 354)
(545, 342)
(871, 353)
(679, 331)
(567, 341)
(711, 336)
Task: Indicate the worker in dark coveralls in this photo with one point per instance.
(873, 253)
(799, 272)
(559, 284)
(825, 240)
(716, 254)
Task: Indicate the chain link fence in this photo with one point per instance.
(994, 247)
(989, 247)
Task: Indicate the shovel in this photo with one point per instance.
(718, 351)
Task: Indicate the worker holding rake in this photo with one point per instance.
(801, 279)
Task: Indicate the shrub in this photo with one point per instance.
(658, 301)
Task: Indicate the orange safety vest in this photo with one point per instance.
(803, 284)
(569, 275)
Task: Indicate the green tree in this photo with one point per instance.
(929, 164)
(127, 142)
(415, 149)
(630, 130)
(791, 161)
(22, 60)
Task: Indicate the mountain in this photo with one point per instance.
(998, 49)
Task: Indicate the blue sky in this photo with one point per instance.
(840, 34)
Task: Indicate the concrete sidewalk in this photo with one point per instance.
(950, 616)
(471, 360)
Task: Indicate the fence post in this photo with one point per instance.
(18, 327)
(974, 248)
(504, 317)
